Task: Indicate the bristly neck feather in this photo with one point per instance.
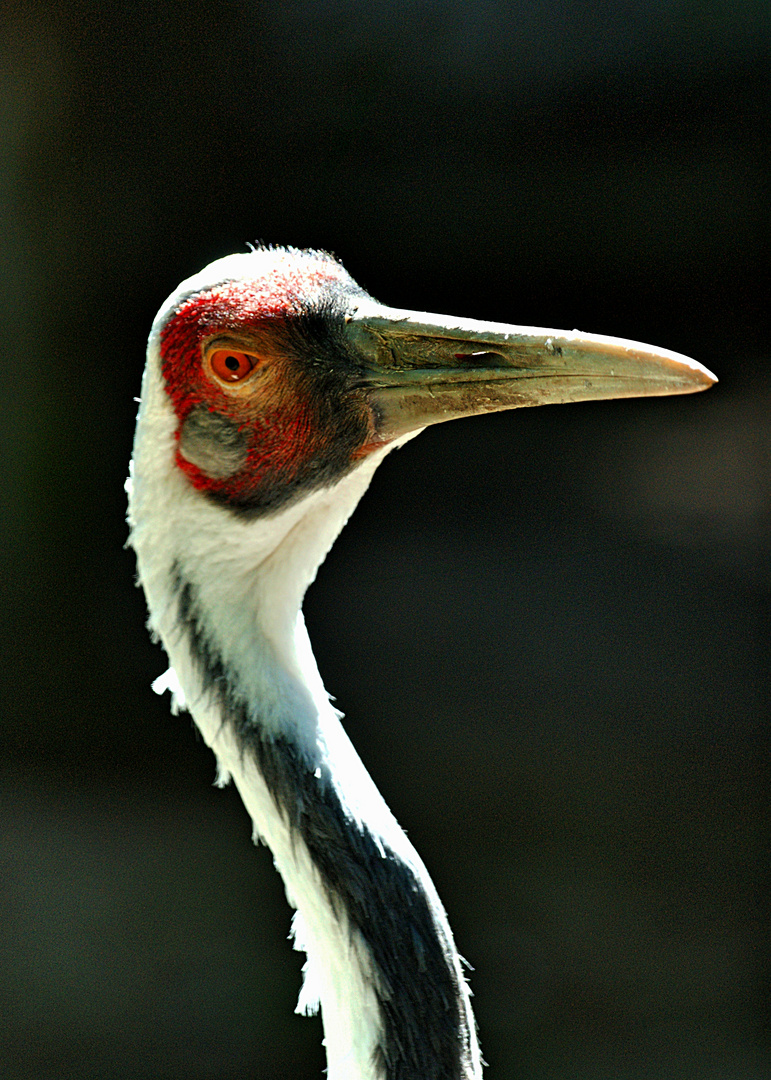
(224, 596)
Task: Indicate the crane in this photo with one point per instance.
(274, 387)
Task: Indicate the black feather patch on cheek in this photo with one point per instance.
(213, 443)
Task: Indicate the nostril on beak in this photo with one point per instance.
(484, 357)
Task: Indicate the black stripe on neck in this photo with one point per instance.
(425, 1022)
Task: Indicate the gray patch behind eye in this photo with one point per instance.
(213, 443)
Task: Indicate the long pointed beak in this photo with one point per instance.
(422, 369)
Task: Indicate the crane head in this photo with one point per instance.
(284, 374)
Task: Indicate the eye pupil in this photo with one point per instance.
(232, 363)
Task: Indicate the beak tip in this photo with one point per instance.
(702, 378)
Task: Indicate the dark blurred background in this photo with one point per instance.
(544, 626)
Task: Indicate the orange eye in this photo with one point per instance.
(231, 366)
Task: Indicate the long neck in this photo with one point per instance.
(224, 596)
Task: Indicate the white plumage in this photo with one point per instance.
(225, 560)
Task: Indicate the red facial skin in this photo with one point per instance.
(302, 423)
